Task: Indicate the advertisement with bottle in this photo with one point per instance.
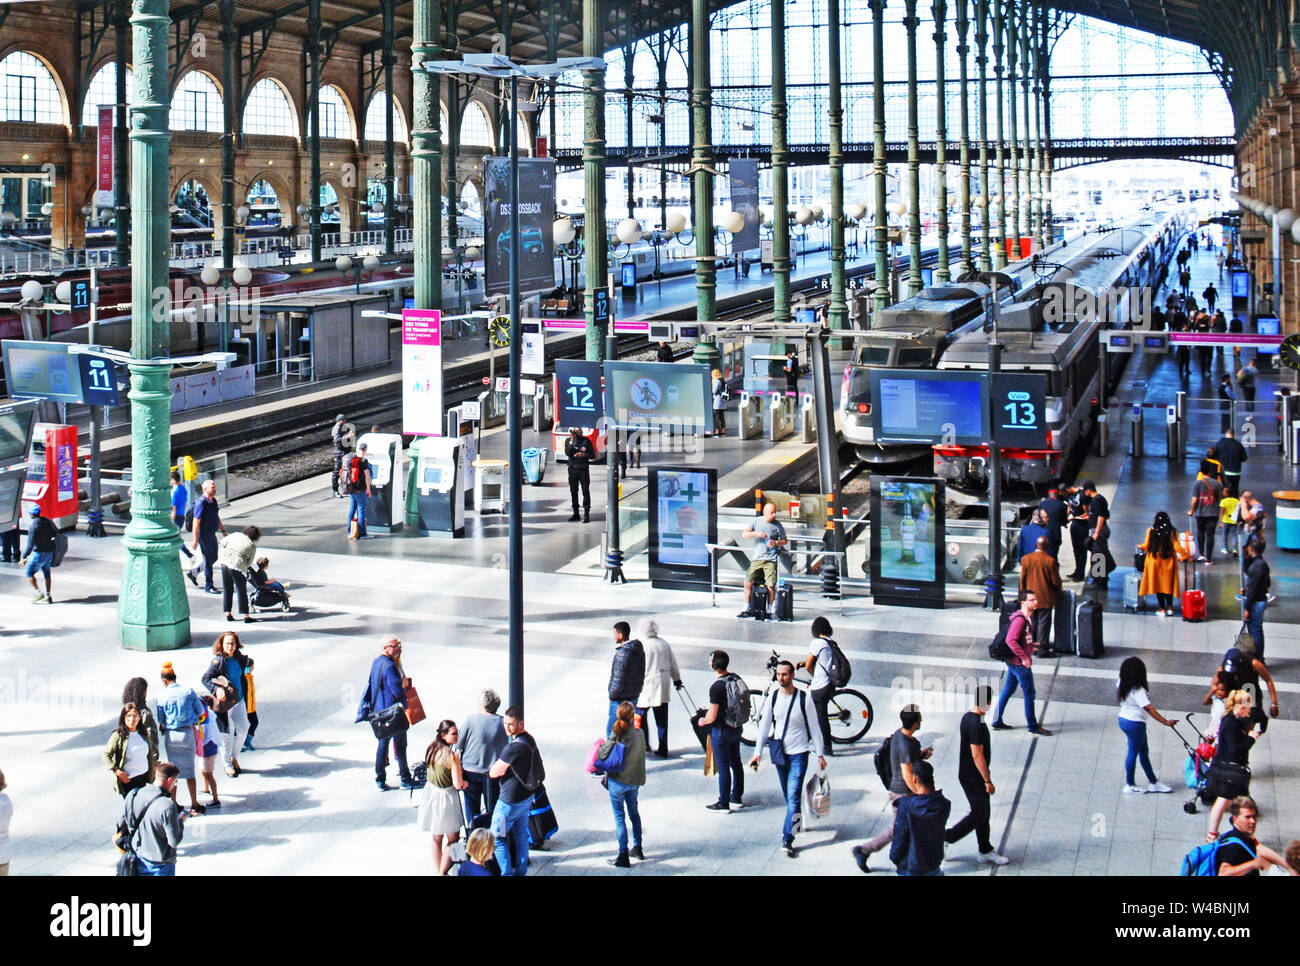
(907, 534)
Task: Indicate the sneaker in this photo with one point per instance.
(248, 745)
(1159, 788)
(790, 850)
(1162, 613)
(49, 599)
(621, 862)
(211, 590)
(993, 858)
(743, 614)
(408, 784)
(636, 853)
(737, 805)
(999, 726)
(383, 786)
(1134, 790)
(574, 518)
(38, 599)
(194, 578)
(1041, 732)
(861, 855)
(718, 807)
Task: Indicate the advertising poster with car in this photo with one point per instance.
(536, 216)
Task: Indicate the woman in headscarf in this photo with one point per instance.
(1160, 572)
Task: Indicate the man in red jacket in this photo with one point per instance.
(1020, 672)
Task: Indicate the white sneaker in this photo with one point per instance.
(1159, 788)
(1161, 613)
(993, 858)
(1134, 790)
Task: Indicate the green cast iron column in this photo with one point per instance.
(940, 11)
(153, 611)
(982, 60)
(629, 80)
(1040, 40)
(314, 41)
(706, 270)
(229, 38)
(838, 315)
(121, 135)
(780, 173)
(963, 50)
(1013, 45)
(595, 240)
(452, 176)
(911, 22)
(999, 22)
(881, 297)
(390, 160)
(1027, 216)
(426, 156)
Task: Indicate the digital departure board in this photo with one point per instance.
(928, 406)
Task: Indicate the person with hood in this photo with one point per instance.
(627, 673)
(1160, 571)
(919, 825)
(660, 670)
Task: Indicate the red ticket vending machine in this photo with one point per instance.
(52, 475)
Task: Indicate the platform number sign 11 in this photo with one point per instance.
(99, 379)
(579, 395)
(1019, 402)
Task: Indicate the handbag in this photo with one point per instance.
(1227, 779)
(388, 722)
(817, 795)
(614, 762)
(1245, 641)
(414, 708)
(776, 746)
(224, 695)
(1140, 561)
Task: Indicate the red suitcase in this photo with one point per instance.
(1194, 605)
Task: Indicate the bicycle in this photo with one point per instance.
(849, 711)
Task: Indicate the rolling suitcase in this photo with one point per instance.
(1194, 605)
(784, 608)
(1132, 600)
(758, 603)
(695, 714)
(1063, 623)
(541, 820)
(1088, 637)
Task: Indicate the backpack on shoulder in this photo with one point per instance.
(738, 705)
(840, 671)
(356, 475)
(999, 649)
(60, 547)
(1203, 859)
(884, 767)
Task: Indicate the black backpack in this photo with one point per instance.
(532, 781)
(884, 766)
(999, 649)
(840, 671)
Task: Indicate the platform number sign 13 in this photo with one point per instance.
(579, 396)
(1019, 402)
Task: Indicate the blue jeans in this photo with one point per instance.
(791, 778)
(39, 562)
(1255, 624)
(480, 796)
(935, 872)
(613, 714)
(208, 547)
(399, 752)
(1024, 678)
(726, 756)
(1138, 750)
(145, 867)
(357, 510)
(621, 795)
(510, 829)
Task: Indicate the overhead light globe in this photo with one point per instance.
(628, 231)
(241, 276)
(210, 275)
(676, 223)
(857, 211)
(242, 212)
(47, 209)
(1268, 213)
(32, 290)
(818, 212)
(343, 263)
(370, 263)
(87, 210)
(899, 208)
(472, 252)
(734, 222)
(377, 208)
(563, 231)
(1295, 232)
(1285, 219)
(8, 218)
(448, 253)
(63, 292)
(804, 216)
(303, 211)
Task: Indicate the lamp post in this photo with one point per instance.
(213, 275)
(499, 66)
(346, 265)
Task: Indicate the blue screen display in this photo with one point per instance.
(932, 408)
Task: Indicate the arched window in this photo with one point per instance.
(30, 92)
(263, 205)
(335, 118)
(475, 128)
(267, 111)
(525, 139)
(471, 204)
(193, 206)
(377, 123)
(196, 105)
(102, 92)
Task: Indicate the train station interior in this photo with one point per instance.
(491, 325)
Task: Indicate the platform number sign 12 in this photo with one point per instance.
(579, 398)
(1019, 402)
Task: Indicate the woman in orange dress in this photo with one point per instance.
(1160, 572)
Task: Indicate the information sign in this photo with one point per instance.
(422, 372)
(578, 397)
(1019, 401)
(683, 522)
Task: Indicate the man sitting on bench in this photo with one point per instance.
(769, 537)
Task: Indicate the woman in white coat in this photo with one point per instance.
(660, 669)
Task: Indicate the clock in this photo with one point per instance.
(1289, 351)
(499, 330)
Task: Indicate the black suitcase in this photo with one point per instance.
(541, 820)
(784, 609)
(1063, 623)
(695, 714)
(1088, 636)
(758, 603)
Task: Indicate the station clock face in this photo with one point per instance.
(1290, 350)
(499, 330)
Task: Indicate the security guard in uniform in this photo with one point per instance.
(580, 452)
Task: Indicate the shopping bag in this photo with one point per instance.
(710, 767)
(817, 796)
(414, 709)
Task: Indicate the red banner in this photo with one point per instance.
(105, 181)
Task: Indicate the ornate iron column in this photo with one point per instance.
(390, 99)
(911, 22)
(981, 46)
(314, 42)
(999, 22)
(1040, 68)
(121, 137)
(940, 11)
(963, 50)
(1027, 214)
(594, 240)
(629, 79)
(229, 38)
(706, 270)
(1012, 218)
(780, 172)
(426, 156)
(153, 612)
(838, 314)
(881, 297)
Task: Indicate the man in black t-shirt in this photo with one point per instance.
(1240, 853)
(724, 738)
(1100, 562)
(975, 778)
(510, 815)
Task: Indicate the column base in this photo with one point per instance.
(707, 354)
(153, 611)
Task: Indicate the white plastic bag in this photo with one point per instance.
(817, 796)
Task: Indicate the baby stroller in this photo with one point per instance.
(1197, 767)
(266, 595)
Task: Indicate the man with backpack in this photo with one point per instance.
(626, 674)
(1206, 494)
(1020, 646)
(976, 780)
(521, 774)
(358, 481)
(342, 438)
(769, 537)
(896, 762)
(728, 711)
(789, 728)
(830, 670)
(152, 824)
(42, 541)
(1236, 851)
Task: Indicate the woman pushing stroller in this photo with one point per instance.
(267, 592)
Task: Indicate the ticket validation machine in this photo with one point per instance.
(384, 508)
(52, 475)
(437, 486)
